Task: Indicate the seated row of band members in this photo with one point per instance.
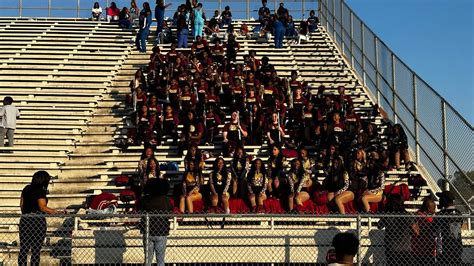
(363, 179)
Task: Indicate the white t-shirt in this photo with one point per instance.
(97, 10)
(8, 116)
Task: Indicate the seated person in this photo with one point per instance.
(217, 17)
(298, 185)
(312, 21)
(125, 20)
(257, 183)
(212, 29)
(192, 181)
(96, 12)
(375, 184)
(219, 183)
(113, 12)
(291, 28)
(200, 45)
(263, 10)
(226, 16)
(244, 31)
(303, 32)
(276, 172)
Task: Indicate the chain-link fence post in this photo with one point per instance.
(359, 236)
(147, 237)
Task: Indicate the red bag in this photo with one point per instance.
(103, 201)
(289, 153)
(401, 189)
(122, 181)
(127, 195)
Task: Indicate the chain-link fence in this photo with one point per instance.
(440, 138)
(239, 239)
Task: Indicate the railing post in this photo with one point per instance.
(359, 232)
(147, 235)
(303, 9)
(20, 7)
(377, 70)
(49, 8)
(248, 9)
(394, 95)
(78, 6)
(220, 6)
(445, 139)
(415, 118)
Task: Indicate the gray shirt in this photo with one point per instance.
(8, 116)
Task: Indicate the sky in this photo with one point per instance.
(433, 37)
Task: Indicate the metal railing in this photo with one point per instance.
(244, 239)
(241, 9)
(441, 139)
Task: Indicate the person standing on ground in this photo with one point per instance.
(346, 246)
(447, 229)
(8, 116)
(33, 227)
(156, 203)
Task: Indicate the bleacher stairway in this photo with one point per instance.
(70, 77)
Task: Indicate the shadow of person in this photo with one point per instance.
(62, 248)
(109, 246)
(375, 249)
(323, 240)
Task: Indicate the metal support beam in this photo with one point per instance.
(445, 139)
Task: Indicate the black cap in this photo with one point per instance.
(448, 196)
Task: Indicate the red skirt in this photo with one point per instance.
(238, 206)
(273, 205)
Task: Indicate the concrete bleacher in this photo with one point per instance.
(69, 79)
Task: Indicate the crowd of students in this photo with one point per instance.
(219, 100)
(190, 19)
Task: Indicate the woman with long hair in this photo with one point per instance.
(219, 183)
(34, 205)
(239, 168)
(192, 181)
(145, 20)
(337, 183)
(375, 184)
(298, 185)
(257, 183)
(276, 173)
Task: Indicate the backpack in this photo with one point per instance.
(401, 189)
(122, 181)
(103, 201)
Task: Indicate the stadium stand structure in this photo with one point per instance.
(70, 77)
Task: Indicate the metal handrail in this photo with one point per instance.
(340, 32)
(298, 12)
